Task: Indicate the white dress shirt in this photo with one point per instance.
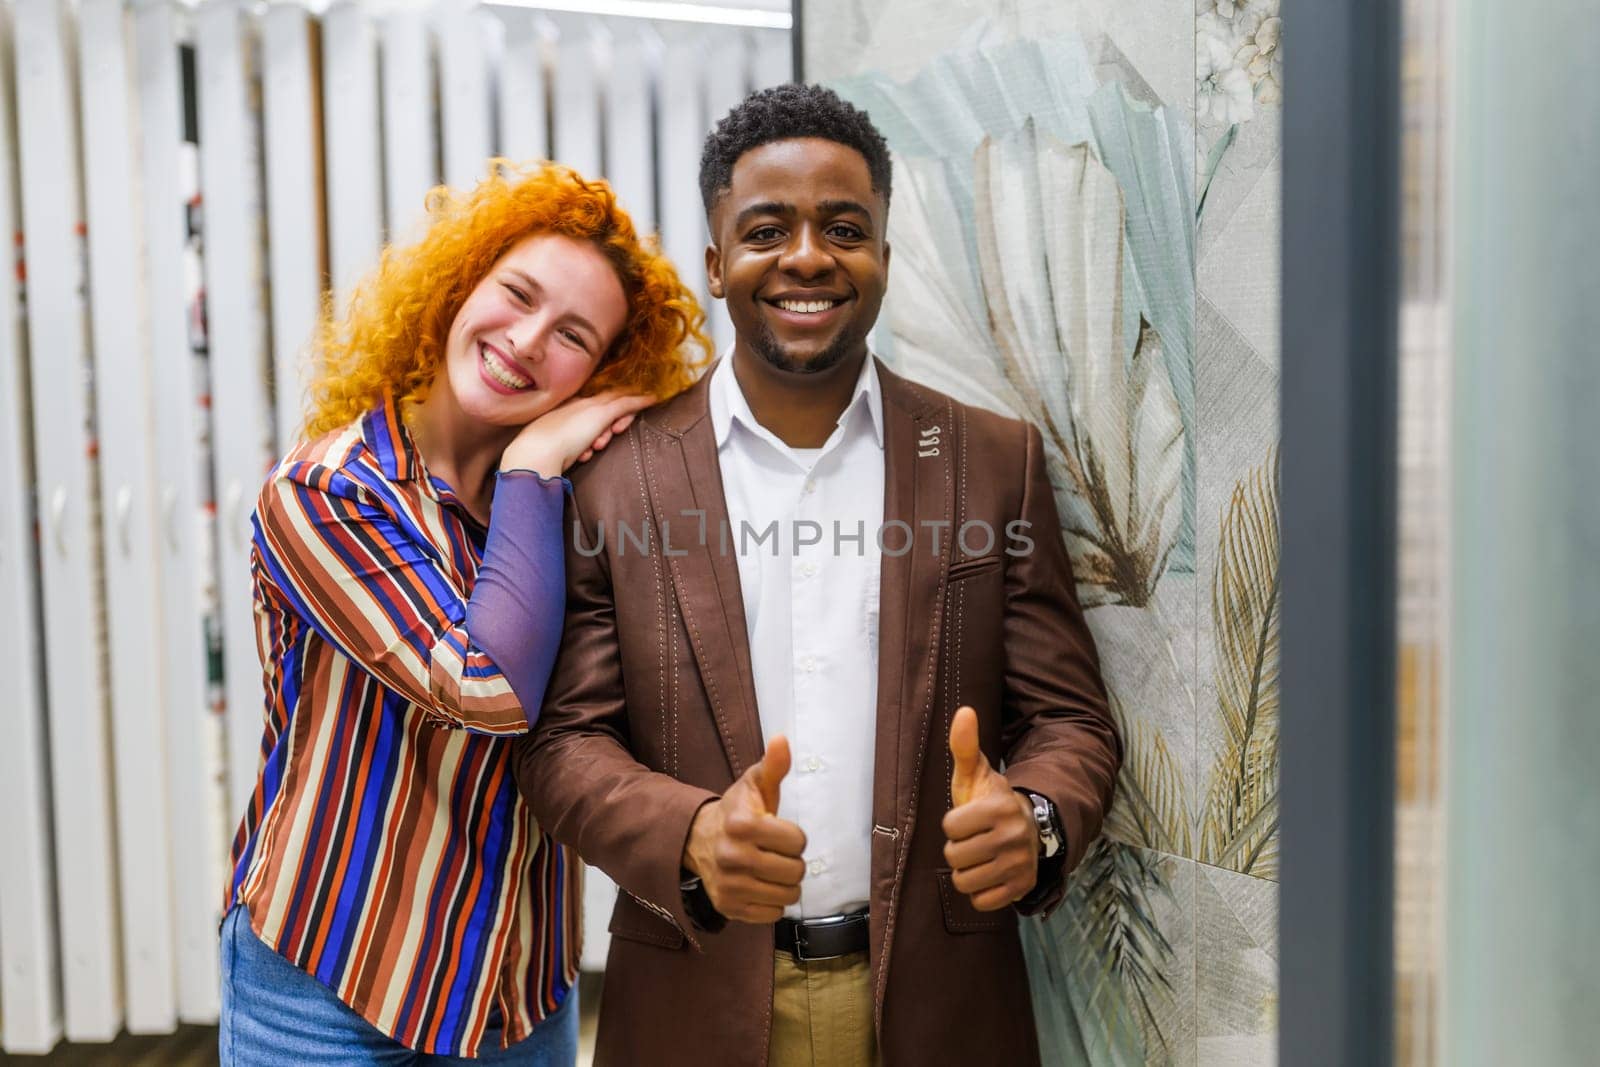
(811, 614)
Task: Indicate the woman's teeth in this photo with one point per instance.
(807, 307)
(500, 371)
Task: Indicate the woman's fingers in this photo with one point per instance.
(574, 431)
(617, 405)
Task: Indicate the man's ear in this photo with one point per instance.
(714, 271)
(886, 251)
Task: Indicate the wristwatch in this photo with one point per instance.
(697, 903)
(1044, 816)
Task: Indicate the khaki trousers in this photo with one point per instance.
(822, 1013)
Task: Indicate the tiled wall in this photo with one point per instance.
(1085, 228)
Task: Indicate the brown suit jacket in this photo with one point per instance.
(652, 712)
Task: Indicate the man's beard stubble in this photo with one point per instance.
(767, 347)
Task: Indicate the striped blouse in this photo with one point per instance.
(386, 850)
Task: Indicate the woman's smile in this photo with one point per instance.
(499, 372)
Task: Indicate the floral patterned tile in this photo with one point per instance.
(1236, 379)
(1238, 101)
(1258, 1050)
(1237, 969)
(1155, 42)
(1240, 265)
(1113, 970)
(1147, 658)
(1237, 563)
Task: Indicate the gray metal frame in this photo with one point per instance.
(1340, 337)
(797, 39)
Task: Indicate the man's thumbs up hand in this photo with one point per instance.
(992, 841)
(747, 858)
(768, 775)
(973, 777)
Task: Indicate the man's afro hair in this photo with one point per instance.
(782, 113)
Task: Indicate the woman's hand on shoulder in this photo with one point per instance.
(572, 432)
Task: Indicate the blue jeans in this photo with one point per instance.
(273, 1013)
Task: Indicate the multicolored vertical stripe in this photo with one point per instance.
(386, 850)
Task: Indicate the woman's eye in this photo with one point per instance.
(571, 335)
(520, 296)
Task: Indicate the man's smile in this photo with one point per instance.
(806, 311)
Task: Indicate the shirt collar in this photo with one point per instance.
(386, 437)
(728, 404)
(389, 441)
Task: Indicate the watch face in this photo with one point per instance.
(1049, 839)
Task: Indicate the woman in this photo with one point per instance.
(392, 900)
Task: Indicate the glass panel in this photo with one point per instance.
(1523, 796)
(1423, 519)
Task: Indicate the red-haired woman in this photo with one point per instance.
(391, 899)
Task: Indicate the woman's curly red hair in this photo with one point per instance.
(392, 338)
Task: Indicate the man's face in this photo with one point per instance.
(798, 252)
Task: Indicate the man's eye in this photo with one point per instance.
(765, 233)
(849, 233)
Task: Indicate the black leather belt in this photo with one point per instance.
(823, 939)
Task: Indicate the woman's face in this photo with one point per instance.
(533, 330)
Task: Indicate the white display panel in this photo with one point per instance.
(351, 156)
(469, 52)
(773, 59)
(243, 449)
(168, 169)
(524, 125)
(30, 1005)
(682, 113)
(630, 162)
(118, 327)
(69, 536)
(291, 85)
(176, 379)
(576, 138)
(727, 82)
(410, 140)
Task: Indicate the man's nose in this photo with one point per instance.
(806, 255)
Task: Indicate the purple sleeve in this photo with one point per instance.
(519, 601)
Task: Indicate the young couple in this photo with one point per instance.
(828, 774)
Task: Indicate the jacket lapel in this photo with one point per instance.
(678, 439)
(919, 487)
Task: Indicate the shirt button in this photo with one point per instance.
(807, 569)
(813, 764)
(817, 867)
(808, 665)
(811, 486)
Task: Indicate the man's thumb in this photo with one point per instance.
(969, 761)
(770, 772)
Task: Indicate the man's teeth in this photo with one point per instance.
(502, 373)
(807, 307)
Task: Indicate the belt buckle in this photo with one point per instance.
(799, 951)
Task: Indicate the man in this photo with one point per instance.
(801, 596)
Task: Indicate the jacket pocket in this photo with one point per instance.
(966, 568)
(960, 917)
(633, 920)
